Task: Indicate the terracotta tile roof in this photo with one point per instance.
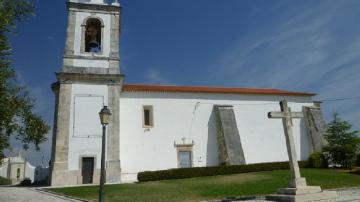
(203, 89)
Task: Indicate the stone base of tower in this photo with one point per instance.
(62, 177)
(65, 178)
(113, 172)
(71, 178)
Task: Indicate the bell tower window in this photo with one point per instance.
(92, 35)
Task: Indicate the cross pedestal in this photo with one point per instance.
(297, 189)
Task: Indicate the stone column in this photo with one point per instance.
(59, 175)
(70, 33)
(114, 45)
(69, 44)
(113, 170)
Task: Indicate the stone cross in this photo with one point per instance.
(286, 115)
(183, 140)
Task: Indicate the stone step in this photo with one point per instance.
(324, 196)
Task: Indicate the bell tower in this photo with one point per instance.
(89, 79)
(92, 42)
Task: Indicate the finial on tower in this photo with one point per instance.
(116, 3)
(89, 1)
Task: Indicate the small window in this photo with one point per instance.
(148, 117)
(18, 173)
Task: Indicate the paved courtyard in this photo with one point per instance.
(343, 195)
(23, 194)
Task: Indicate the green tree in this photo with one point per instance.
(16, 106)
(343, 144)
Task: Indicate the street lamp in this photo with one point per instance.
(104, 119)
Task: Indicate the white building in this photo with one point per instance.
(16, 169)
(156, 127)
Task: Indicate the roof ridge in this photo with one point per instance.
(210, 89)
(200, 86)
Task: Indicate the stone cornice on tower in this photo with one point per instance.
(90, 78)
(93, 7)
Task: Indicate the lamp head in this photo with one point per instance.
(105, 115)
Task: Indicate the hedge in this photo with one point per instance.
(25, 182)
(181, 173)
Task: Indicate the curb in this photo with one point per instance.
(57, 195)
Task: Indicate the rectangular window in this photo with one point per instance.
(185, 159)
(148, 117)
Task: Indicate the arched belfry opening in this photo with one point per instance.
(93, 35)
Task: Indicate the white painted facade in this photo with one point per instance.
(191, 116)
(177, 116)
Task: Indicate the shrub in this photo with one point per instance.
(25, 182)
(4, 181)
(356, 171)
(180, 173)
(317, 160)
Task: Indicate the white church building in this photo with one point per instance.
(157, 127)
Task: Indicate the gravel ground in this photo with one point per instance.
(23, 194)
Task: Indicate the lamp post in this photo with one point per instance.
(104, 119)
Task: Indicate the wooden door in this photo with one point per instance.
(87, 170)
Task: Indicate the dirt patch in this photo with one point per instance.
(242, 178)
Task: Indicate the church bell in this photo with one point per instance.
(93, 43)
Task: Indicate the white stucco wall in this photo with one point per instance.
(191, 116)
(4, 170)
(29, 171)
(85, 128)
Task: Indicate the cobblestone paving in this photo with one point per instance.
(347, 195)
(23, 194)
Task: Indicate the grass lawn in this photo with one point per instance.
(214, 187)
(4, 181)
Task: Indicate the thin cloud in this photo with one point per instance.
(155, 76)
(303, 50)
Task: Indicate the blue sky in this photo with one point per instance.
(295, 45)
